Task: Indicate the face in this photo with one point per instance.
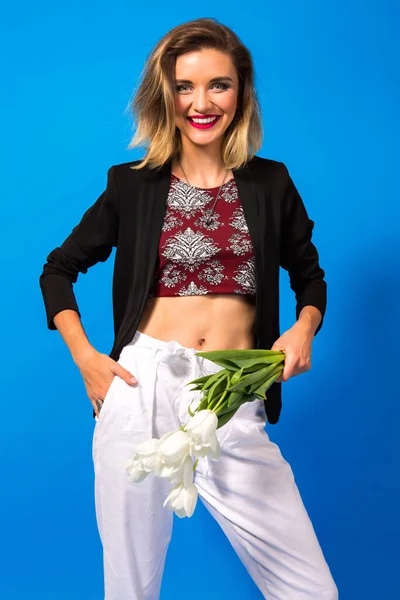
(206, 85)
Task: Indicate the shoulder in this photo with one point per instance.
(126, 175)
(268, 172)
(126, 169)
(128, 179)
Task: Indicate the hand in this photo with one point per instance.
(296, 342)
(98, 371)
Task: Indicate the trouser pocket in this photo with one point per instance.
(107, 401)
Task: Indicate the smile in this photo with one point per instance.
(203, 123)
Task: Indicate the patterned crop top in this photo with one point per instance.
(195, 258)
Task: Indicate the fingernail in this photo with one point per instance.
(133, 380)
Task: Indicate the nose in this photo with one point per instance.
(201, 100)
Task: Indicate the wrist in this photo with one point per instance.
(309, 319)
(80, 356)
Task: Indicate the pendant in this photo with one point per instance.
(207, 218)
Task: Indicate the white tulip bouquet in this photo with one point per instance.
(246, 376)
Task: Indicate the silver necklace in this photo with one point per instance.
(209, 212)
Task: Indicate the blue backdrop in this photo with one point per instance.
(328, 81)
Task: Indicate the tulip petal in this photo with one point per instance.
(182, 500)
(215, 448)
(147, 447)
(172, 495)
(135, 471)
(152, 462)
(198, 451)
(187, 472)
(190, 499)
(175, 447)
(203, 425)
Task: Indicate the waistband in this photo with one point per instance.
(161, 348)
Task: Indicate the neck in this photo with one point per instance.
(203, 165)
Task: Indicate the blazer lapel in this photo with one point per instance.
(157, 187)
(249, 197)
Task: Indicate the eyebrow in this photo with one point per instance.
(211, 80)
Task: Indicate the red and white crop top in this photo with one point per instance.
(195, 258)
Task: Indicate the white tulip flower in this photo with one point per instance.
(201, 431)
(174, 447)
(145, 460)
(178, 472)
(136, 470)
(171, 457)
(182, 500)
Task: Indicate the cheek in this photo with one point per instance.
(230, 102)
(180, 106)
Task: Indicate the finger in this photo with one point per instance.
(280, 378)
(274, 348)
(288, 369)
(125, 375)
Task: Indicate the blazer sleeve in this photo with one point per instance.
(90, 241)
(298, 254)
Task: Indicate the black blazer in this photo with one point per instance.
(128, 215)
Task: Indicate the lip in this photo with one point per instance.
(205, 125)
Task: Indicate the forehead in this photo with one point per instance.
(204, 64)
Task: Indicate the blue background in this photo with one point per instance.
(328, 80)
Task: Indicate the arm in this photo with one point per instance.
(90, 241)
(300, 258)
(310, 318)
(71, 330)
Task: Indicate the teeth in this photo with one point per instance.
(204, 120)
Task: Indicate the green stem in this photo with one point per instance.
(195, 464)
(221, 400)
(213, 401)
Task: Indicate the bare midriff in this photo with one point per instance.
(207, 322)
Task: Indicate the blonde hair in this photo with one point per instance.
(153, 105)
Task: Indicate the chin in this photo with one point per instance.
(203, 143)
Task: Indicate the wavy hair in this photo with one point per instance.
(153, 104)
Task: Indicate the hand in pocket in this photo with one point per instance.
(98, 371)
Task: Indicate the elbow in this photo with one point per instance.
(56, 283)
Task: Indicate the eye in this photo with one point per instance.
(180, 87)
(224, 86)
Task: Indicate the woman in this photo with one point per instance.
(194, 270)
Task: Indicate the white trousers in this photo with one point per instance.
(250, 490)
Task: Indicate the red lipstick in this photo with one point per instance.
(204, 117)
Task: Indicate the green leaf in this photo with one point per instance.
(222, 373)
(238, 354)
(234, 397)
(225, 417)
(249, 380)
(226, 363)
(236, 377)
(218, 387)
(196, 387)
(199, 380)
(254, 363)
(271, 373)
(260, 392)
(203, 405)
